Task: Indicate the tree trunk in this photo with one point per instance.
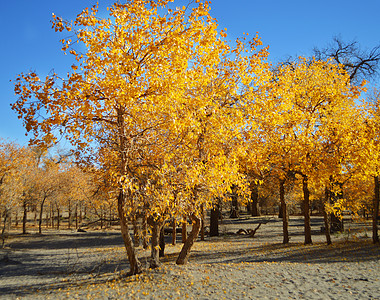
(80, 213)
(24, 217)
(162, 242)
(184, 229)
(51, 216)
(40, 220)
(76, 216)
(335, 221)
(6, 216)
(234, 203)
(58, 217)
(70, 215)
(174, 234)
(156, 226)
(326, 216)
(202, 223)
(185, 251)
(375, 214)
(214, 220)
(135, 265)
(101, 217)
(254, 207)
(145, 232)
(284, 213)
(306, 201)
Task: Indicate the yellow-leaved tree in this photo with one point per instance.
(158, 95)
(306, 125)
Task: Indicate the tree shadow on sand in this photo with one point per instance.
(350, 251)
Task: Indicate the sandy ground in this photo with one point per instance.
(92, 265)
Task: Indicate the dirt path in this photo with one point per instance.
(92, 265)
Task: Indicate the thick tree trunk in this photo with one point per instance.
(24, 217)
(185, 251)
(375, 214)
(285, 220)
(135, 265)
(280, 211)
(214, 221)
(156, 226)
(326, 216)
(306, 201)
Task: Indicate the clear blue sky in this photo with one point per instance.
(288, 27)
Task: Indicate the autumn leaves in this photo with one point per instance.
(160, 102)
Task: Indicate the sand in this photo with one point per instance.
(92, 265)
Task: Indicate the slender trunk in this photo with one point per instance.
(40, 220)
(335, 221)
(174, 234)
(185, 251)
(145, 232)
(214, 221)
(306, 201)
(326, 216)
(375, 214)
(58, 217)
(184, 229)
(284, 213)
(70, 215)
(24, 217)
(101, 217)
(16, 218)
(80, 213)
(135, 265)
(202, 223)
(51, 216)
(6, 216)
(76, 216)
